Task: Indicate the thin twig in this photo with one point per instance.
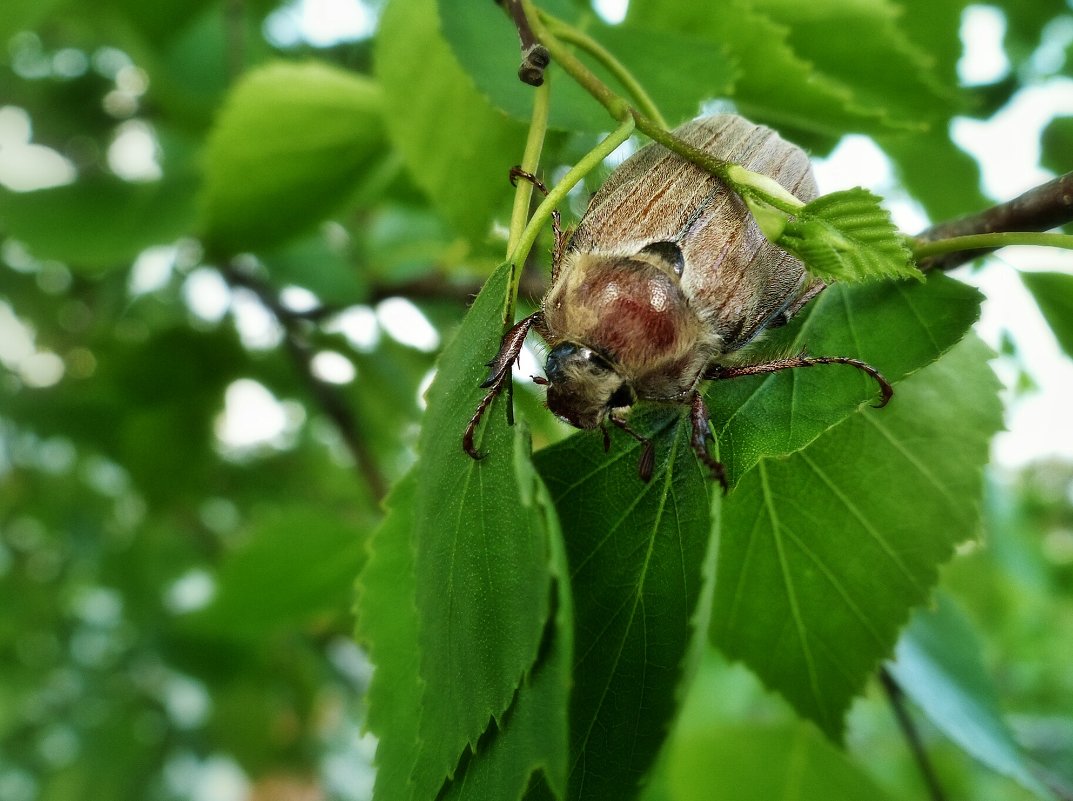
(912, 736)
(535, 58)
(325, 395)
(1039, 209)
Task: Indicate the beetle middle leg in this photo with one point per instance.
(499, 373)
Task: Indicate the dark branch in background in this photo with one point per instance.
(533, 286)
(1039, 209)
(326, 396)
(912, 736)
(535, 57)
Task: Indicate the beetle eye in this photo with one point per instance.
(623, 396)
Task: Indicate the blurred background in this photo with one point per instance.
(194, 445)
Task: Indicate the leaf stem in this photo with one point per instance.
(561, 189)
(572, 35)
(534, 143)
(991, 241)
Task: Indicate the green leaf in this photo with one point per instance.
(848, 236)
(1056, 142)
(640, 562)
(824, 553)
(781, 81)
(100, 223)
(1054, 295)
(23, 15)
(946, 193)
(897, 78)
(483, 582)
(449, 136)
(896, 327)
(533, 740)
(258, 591)
(289, 147)
(762, 762)
(387, 626)
(939, 665)
(677, 71)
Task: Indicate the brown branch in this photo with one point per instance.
(535, 57)
(912, 736)
(325, 395)
(1039, 209)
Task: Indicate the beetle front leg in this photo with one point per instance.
(559, 248)
(698, 416)
(499, 372)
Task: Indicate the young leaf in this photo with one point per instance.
(640, 562)
(99, 223)
(288, 148)
(1054, 295)
(824, 553)
(939, 665)
(481, 553)
(533, 741)
(848, 236)
(387, 626)
(896, 327)
(449, 136)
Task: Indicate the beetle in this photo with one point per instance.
(664, 281)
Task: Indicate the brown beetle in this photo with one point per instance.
(665, 279)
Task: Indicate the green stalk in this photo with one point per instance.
(568, 33)
(955, 244)
(523, 194)
(558, 193)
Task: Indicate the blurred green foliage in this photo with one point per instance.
(203, 402)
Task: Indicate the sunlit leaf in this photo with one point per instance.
(796, 71)
(824, 553)
(289, 146)
(449, 136)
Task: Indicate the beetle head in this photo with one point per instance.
(583, 386)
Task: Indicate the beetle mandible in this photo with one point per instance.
(665, 279)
